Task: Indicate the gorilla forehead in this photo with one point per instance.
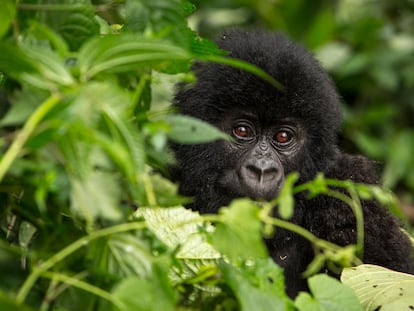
(309, 92)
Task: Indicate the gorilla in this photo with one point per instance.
(276, 132)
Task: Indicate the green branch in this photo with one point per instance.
(84, 286)
(13, 152)
(68, 250)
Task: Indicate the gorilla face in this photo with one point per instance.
(260, 153)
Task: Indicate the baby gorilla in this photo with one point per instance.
(276, 132)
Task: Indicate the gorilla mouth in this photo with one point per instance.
(248, 184)
(259, 183)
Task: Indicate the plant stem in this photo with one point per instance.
(300, 231)
(13, 152)
(71, 248)
(84, 286)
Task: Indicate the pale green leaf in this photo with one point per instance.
(379, 287)
(177, 226)
(96, 195)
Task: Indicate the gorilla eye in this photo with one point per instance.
(283, 137)
(243, 132)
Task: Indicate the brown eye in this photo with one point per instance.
(243, 131)
(283, 137)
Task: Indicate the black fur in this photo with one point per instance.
(310, 97)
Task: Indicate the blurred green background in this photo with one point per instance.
(368, 48)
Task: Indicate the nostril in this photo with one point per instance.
(263, 172)
(254, 169)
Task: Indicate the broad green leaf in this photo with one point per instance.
(39, 67)
(238, 234)
(14, 62)
(7, 12)
(51, 66)
(166, 192)
(380, 288)
(258, 285)
(105, 103)
(24, 103)
(74, 21)
(122, 255)
(125, 53)
(327, 294)
(78, 26)
(96, 195)
(189, 130)
(147, 294)
(43, 32)
(177, 226)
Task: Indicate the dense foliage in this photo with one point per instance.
(88, 219)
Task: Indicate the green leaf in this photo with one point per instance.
(50, 65)
(258, 285)
(147, 294)
(189, 130)
(43, 32)
(14, 62)
(75, 22)
(125, 53)
(328, 294)
(7, 13)
(248, 67)
(8, 304)
(96, 195)
(122, 255)
(166, 192)
(79, 26)
(380, 288)
(36, 66)
(238, 234)
(285, 198)
(177, 226)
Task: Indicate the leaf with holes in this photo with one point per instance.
(380, 288)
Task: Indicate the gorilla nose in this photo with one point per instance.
(262, 171)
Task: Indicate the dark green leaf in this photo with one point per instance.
(43, 32)
(189, 130)
(8, 304)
